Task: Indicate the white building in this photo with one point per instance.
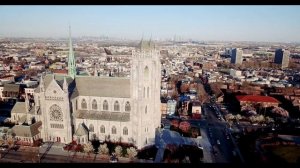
(108, 108)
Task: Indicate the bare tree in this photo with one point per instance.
(118, 151)
(131, 152)
(88, 148)
(103, 149)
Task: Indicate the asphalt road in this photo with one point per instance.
(216, 131)
(29, 157)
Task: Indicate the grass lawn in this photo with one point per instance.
(288, 153)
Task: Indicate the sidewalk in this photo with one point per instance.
(204, 142)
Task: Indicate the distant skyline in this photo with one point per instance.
(219, 23)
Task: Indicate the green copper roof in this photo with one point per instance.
(71, 58)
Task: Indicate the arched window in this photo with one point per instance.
(83, 104)
(146, 110)
(76, 104)
(91, 128)
(102, 129)
(113, 130)
(116, 106)
(146, 73)
(127, 106)
(125, 131)
(148, 92)
(105, 105)
(94, 105)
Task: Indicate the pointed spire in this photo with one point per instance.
(41, 84)
(150, 38)
(65, 85)
(95, 71)
(71, 58)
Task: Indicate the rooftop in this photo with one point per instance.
(255, 98)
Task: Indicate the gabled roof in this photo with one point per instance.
(81, 130)
(11, 88)
(27, 131)
(103, 115)
(19, 107)
(255, 98)
(102, 87)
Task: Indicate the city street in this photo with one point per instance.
(222, 145)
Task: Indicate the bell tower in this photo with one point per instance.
(145, 92)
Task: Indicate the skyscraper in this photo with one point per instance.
(282, 57)
(236, 56)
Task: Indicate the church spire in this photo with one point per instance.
(95, 71)
(71, 58)
(42, 84)
(65, 85)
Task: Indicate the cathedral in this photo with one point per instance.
(81, 108)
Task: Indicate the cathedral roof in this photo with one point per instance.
(81, 130)
(102, 87)
(19, 107)
(103, 115)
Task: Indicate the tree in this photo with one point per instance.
(229, 117)
(184, 126)
(184, 88)
(88, 148)
(10, 141)
(280, 111)
(238, 117)
(1, 141)
(195, 132)
(269, 120)
(175, 123)
(103, 149)
(260, 118)
(252, 119)
(118, 151)
(131, 152)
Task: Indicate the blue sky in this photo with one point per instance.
(228, 23)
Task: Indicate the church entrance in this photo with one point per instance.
(58, 139)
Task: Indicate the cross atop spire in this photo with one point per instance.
(71, 58)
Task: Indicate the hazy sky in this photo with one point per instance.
(228, 23)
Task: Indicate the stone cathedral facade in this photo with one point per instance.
(82, 108)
